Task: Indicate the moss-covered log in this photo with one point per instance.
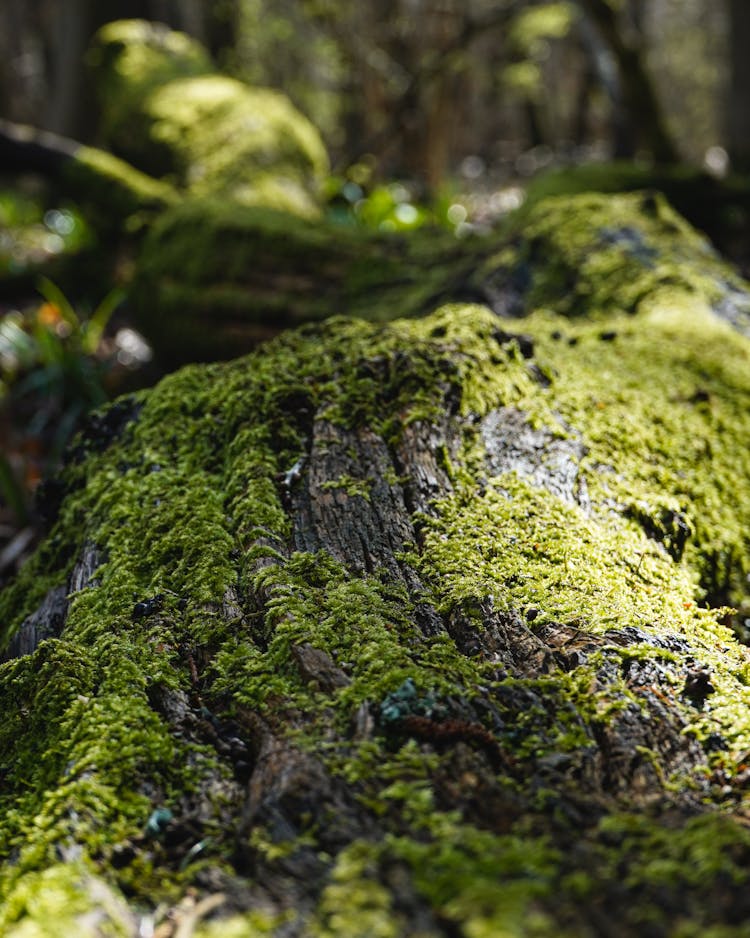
(213, 278)
(408, 628)
(114, 194)
(166, 111)
(718, 207)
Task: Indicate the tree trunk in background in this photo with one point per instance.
(221, 28)
(738, 109)
(640, 104)
(63, 32)
(22, 59)
(68, 102)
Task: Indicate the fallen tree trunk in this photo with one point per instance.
(112, 191)
(405, 628)
(213, 279)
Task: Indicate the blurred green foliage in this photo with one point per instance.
(355, 198)
(52, 372)
(31, 234)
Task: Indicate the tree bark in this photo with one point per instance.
(403, 628)
(639, 99)
(110, 190)
(738, 113)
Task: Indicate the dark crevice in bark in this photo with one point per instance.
(48, 620)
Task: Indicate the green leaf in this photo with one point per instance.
(97, 323)
(54, 295)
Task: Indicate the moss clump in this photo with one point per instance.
(168, 114)
(496, 804)
(215, 278)
(65, 899)
(133, 57)
(718, 207)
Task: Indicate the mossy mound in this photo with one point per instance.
(399, 628)
(718, 207)
(166, 112)
(594, 254)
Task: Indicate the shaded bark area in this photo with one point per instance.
(737, 111)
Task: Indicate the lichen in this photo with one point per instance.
(189, 505)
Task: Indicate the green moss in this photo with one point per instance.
(664, 868)
(355, 902)
(250, 271)
(483, 884)
(131, 58)
(62, 900)
(251, 925)
(167, 113)
(718, 207)
(611, 254)
(188, 505)
(101, 179)
(231, 139)
(350, 485)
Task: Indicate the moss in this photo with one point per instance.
(718, 207)
(189, 507)
(355, 902)
(483, 884)
(100, 179)
(131, 58)
(168, 114)
(215, 278)
(609, 255)
(251, 925)
(236, 141)
(62, 900)
(664, 869)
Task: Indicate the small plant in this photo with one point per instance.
(355, 200)
(51, 373)
(31, 234)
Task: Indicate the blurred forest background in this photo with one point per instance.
(434, 89)
(434, 113)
